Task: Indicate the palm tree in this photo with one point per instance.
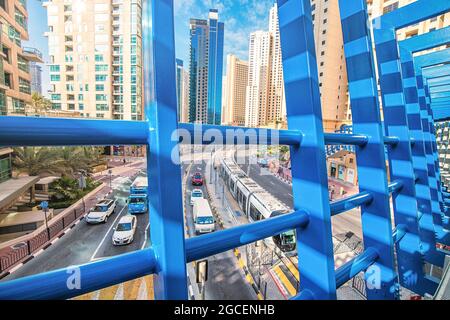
(35, 161)
(39, 103)
(71, 160)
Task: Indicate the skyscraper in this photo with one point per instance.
(235, 91)
(180, 69)
(260, 58)
(95, 49)
(206, 69)
(266, 102)
(276, 110)
(182, 91)
(35, 70)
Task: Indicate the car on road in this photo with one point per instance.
(101, 212)
(203, 218)
(196, 194)
(197, 179)
(263, 163)
(125, 230)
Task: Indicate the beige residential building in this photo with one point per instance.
(235, 91)
(15, 76)
(276, 109)
(260, 59)
(95, 49)
(330, 63)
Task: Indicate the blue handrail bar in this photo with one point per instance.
(355, 266)
(92, 276)
(221, 241)
(350, 203)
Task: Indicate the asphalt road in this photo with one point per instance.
(85, 243)
(225, 280)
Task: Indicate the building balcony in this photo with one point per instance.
(32, 54)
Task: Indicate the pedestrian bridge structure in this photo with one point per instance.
(415, 96)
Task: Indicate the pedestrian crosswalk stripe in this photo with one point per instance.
(139, 289)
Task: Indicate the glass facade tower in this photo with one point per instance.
(206, 69)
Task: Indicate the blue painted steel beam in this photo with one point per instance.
(436, 71)
(208, 134)
(210, 244)
(433, 58)
(75, 281)
(30, 131)
(411, 14)
(164, 174)
(350, 203)
(412, 199)
(358, 264)
(309, 172)
(426, 41)
(346, 139)
(376, 217)
(423, 159)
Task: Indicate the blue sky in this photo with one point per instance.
(241, 17)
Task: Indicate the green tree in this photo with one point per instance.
(65, 189)
(39, 103)
(35, 161)
(71, 160)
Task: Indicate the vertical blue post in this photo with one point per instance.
(309, 172)
(430, 143)
(429, 220)
(406, 207)
(164, 175)
(372, 177)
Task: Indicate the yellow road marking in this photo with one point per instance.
(108, 293)
(131, 289)
(293, 269)
(149, 284)
(280, 274)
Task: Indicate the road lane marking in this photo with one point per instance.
(145, 237)
(287, 284)
(292, 269)
(106, 234)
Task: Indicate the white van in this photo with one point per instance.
(203, 217)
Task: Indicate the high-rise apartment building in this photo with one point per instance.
(266, 102)
(276, 109)
(35, 71)
(235, 91)
(206, 69)
(331, 63)
(15, 77)
(260, 58)
(95, 50)
(182, 91)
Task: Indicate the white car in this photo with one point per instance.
(101, 212)
(195, 195)
(125, 230)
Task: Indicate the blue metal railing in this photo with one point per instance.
(409, 113)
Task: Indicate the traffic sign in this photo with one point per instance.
(44, 205)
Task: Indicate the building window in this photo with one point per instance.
(24, 86)
(55, 77)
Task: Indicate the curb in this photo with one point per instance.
(248, 275)
(49, 244)
(39, 252)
